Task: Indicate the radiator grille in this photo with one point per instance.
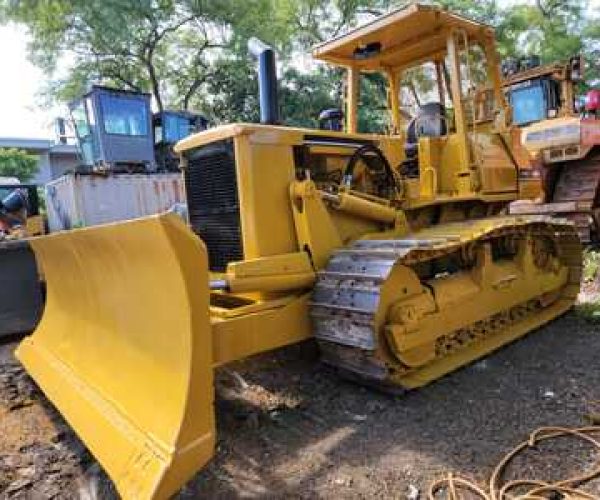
(212, 196)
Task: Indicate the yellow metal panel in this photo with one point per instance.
(264, 175)
(464, 159)
(292, 271)
(494, 76)
(243, 336)
(429, 164)
(313, 225)
(407, 34)
(352, 99)
(498, 173)
(212, 135)
(124, 349)
(264, 134)
(291, 263)
(450, 163)
(394, 78)
(393, 148)
(551, 133)
(530, 189)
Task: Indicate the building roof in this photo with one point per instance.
(63, 149)
(398, 39)
(38, 146)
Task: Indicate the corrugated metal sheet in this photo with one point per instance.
(86, 200)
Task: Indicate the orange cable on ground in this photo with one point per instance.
(568, 488)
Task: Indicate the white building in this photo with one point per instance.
(54, 158)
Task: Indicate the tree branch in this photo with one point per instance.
(192, 90)
(171, 29)
(123, 80)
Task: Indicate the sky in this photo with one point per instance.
(20, 114)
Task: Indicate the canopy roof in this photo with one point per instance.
(559, 71)
(401, 38)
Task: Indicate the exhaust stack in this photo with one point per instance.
(267, 81)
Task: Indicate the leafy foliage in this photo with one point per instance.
(166, 47)
(192, 53)
(589, 302)
(591, 265)
(304, 95)
(17, 163)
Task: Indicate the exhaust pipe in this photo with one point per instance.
(267, 81)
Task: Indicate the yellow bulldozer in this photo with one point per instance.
(393, 251)
(561, 139)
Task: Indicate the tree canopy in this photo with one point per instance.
(192, 53)
(18, 163)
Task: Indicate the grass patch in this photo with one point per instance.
(590, 311)
(591, 265)
(589, 307)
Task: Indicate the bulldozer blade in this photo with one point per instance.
(21, 300)
(124, 348)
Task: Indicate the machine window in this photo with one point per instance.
(528, 105)
(158, 134)
(80, 120)
(124, 116)
(176, 128)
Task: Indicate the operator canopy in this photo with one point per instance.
(400, 38)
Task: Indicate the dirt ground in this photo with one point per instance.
(292, 428)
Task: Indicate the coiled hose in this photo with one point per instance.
(451, 486)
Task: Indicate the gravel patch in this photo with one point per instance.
(289, 427)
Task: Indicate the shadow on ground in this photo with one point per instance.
(298, 430)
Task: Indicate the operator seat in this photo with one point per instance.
(429, 122)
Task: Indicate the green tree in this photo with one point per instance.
(18, 163)
(304, 95)
(230, 93)
(187, 53)
(166, 47)
(551, 29)
(192, 53)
